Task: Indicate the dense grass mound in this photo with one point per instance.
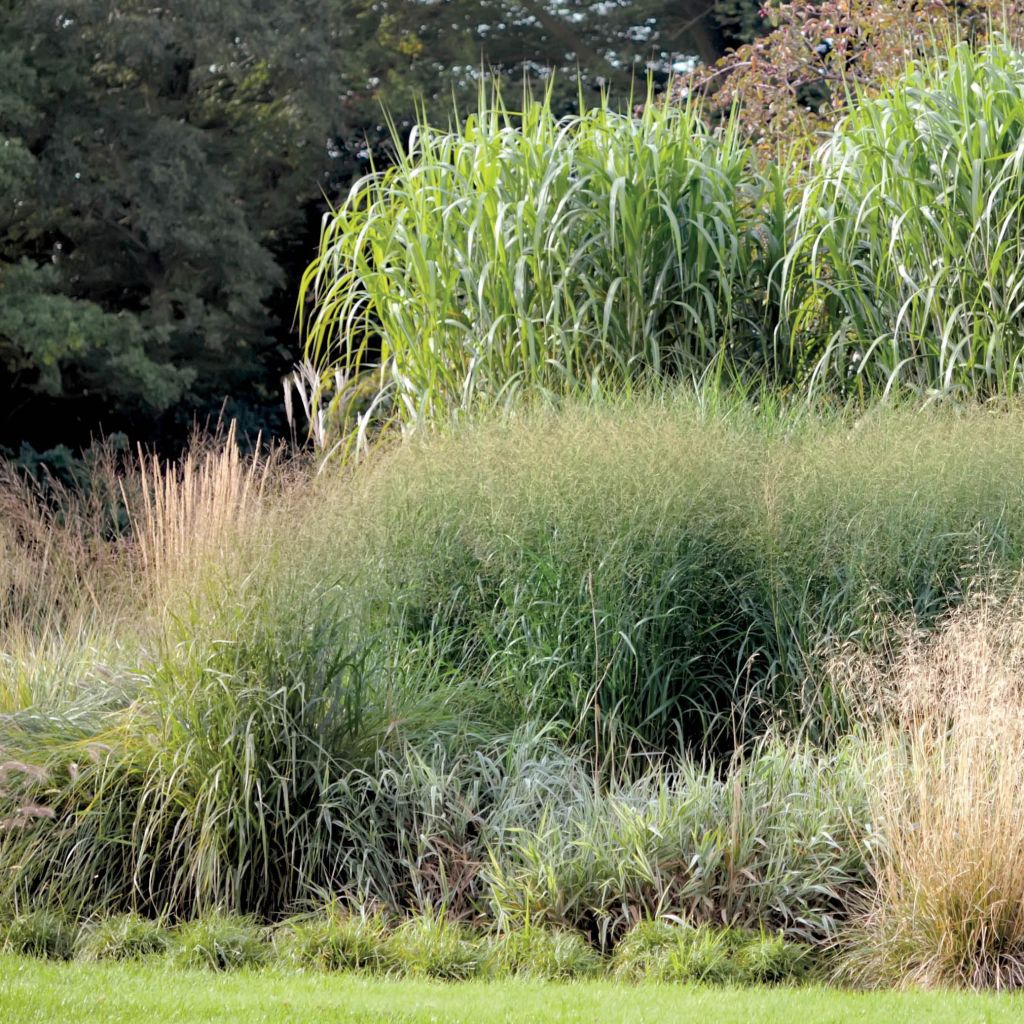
(777, 837)
(220, 942)
(42, 932)
(122, 937)
(332, 941)
(540, 954)
(662, 573)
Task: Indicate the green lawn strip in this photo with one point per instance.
(50, 993)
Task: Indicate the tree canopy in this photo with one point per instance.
(163, 169)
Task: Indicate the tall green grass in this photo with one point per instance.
(526, 254)
(519, 255)
(659, 573)
(495, 672)
(905, 267)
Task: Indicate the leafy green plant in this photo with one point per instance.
(121, 937)
(43, 932)
(527, 254)
(220, 942)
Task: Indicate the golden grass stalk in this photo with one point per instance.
(189, 513)
(949, 904)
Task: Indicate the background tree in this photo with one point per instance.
(792, 82)
(164, 166)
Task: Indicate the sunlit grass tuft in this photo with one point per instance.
(947, 902)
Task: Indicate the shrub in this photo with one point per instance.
(908, 237)
(44, 932)
(220, 942)
(121, 937)
(543, 953)
(433, 947)
(527, 254)
(332, 941)
(789, 86)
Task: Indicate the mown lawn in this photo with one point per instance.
(39, 991)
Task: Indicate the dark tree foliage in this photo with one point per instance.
(154, 161)
(164, 167)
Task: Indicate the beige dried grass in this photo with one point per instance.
(948, 908)
(188, 514)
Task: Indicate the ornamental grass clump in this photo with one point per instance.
(333, 940)
(668, 572)
(702, 955)
(640, 952)
(44, 932)
(905, 270)
(664, 950)
(222, 782)
(122, 937)
(432, 946)
(545, 954)
(193, 515)
(763, 958)
(774, 839)
(527, 254)
(946, 903)
(220, 942)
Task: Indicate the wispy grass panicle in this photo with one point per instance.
(947, 903)
(187, 513)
